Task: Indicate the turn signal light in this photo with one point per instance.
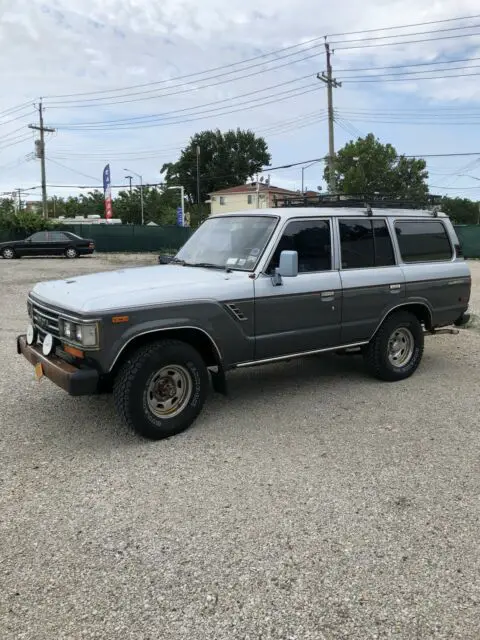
(76, 353)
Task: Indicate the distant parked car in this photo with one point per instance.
(48, 243)
(165, 258)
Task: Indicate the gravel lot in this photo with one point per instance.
(313, 503)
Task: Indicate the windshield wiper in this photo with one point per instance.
(207, 265)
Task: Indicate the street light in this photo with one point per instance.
(182, 201)
(306, 167)
(141, 190)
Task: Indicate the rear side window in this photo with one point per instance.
(365, 243)
(423, 241)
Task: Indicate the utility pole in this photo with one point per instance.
(198, 177)
(41, 154)
(19, 192)
(331, 83)
(130, 178)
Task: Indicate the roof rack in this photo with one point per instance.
(380, 202)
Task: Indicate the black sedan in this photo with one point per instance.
(48, 243)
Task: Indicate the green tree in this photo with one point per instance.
(225, 160)
(367, 167)
(461, 210)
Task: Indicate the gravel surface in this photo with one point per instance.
(313, 504)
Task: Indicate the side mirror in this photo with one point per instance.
(288, 267)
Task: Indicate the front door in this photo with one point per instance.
(372, 282)
(303, 313)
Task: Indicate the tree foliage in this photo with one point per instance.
(225, 160)
(367, 167)
(461, 210)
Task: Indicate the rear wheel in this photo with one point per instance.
(161, 388)
(71, 252)
(397, 348)
(8, 253)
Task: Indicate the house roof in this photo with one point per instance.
(252, 188)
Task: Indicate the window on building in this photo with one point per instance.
(423, 241)
(222, 199)
(311, 239)
(365, 243)
(250, 199)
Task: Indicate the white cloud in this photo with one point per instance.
(70, 46)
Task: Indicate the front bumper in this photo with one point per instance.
(75, 381)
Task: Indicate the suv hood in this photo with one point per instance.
(142, 286)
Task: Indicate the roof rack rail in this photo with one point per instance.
(354, 201)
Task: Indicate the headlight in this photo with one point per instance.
(85, 335)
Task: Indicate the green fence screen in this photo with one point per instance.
(469, 236)
(138, 238)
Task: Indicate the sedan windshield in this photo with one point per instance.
(230, 242)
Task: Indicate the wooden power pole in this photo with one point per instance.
(41, 154)
(331, 83)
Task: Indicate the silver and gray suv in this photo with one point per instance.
(247, 289)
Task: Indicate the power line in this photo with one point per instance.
(408, 65)
(403, 26)
(19, 141)
(406, 79)
(412, 73)
(64, 166)
(241, 107)
(407, 35)
(198, 73)
(422, 41)
(164, 114)
(254, 58)
(114, 101)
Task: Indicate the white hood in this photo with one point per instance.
(143, 286)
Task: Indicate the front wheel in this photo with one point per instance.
(161, 388)
(397, 348)
(71, 253)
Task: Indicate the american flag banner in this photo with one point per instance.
(107, 192)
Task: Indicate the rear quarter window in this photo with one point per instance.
(423, 241)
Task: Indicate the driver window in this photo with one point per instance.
(311, 239)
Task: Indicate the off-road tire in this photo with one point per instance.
(376, 353)
(131, 384)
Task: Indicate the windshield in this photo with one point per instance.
(233, 242)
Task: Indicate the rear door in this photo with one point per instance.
(59, 242)
(372, 280)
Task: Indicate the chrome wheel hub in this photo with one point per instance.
(169, 391)
(401, 347)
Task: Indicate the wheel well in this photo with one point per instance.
(421, 311)
(194, 337)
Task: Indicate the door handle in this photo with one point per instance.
(327, 296)
(395, 288)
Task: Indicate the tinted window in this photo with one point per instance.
(311, 240)
(58, 236)
(365, 243)
(384, 256)
(423, 241)
(42, 236)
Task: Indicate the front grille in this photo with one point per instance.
(45, 321)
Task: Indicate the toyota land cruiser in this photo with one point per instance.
(251, 288)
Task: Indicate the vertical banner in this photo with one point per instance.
(180, 220)
(107, 191)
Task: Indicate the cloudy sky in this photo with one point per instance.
(129, 81)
